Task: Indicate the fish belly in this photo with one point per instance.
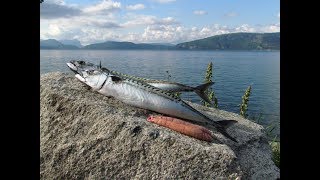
(145, 99)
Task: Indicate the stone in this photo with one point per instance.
(85, 135)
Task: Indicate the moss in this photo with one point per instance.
(275, 146)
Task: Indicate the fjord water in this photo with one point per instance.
(233, 72)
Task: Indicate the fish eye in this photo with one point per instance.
(90, 71)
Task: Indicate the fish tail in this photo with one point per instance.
(223, 131)
(200, 90)
(223, 125)
(226, 123)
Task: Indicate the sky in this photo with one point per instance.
(154, 21)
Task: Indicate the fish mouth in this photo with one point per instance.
(78, 73)
(74, 67)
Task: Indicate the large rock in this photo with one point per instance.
(85, 135)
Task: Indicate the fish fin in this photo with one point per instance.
(223, 131)
(200, 91)
(116, 78)
(222, 125)
(226, 123)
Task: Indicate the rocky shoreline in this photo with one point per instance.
(85, 135)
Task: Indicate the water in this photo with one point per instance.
(233, 72)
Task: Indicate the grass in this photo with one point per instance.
(244, 104)
(275, 147)
(209, 92)
(273, 141)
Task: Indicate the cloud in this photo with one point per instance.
(230, 14)
(143, 20)
(200, 12)
(269, 28)
(59, 9)
(245, 28)
(54, 30)
(170, 33)
(164, 1)
(136, 7)
(178, 34)
(108, 25)
(51, 11)
(99, 23)
(105, 6)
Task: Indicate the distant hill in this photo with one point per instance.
(165, 44)
(235, 41)
(73, 42)
(54, 44)
(125, 45)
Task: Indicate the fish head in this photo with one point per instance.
(74, 65)
(89, 74)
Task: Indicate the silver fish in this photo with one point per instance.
(140, 94)
(161, 84)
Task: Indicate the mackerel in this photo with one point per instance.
(164, 85)
(140, 94)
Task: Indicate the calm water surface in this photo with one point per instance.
(233, 72)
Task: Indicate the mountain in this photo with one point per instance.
(125, 45)
(73, 42)
(54, 44)
(164, 44)
(235, 41)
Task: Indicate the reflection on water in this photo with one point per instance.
(233, 72)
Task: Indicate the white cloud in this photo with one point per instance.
(164, 1)
(54, 30)
(270, 28)
(99, 23)
(177, 34)
(151, 33)
(136, 7)
(52, 10)
(59, 9)
(105, 6)
(60, 2)
(231, 14)
(199, 12)
(143, 20)
(245, 28)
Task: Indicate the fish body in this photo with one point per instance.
(140, 94)
(171, 86)
(161, 84)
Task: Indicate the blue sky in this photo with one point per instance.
(161, 21)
